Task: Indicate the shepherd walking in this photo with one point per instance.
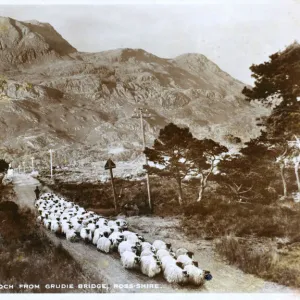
(37, 193)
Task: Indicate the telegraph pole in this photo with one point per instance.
(109, 166)
(24, 167)
(19, 169)
(51, 168)
(32, 164)
(141, 114)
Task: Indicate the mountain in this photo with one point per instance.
(24, 42)
(51, 95)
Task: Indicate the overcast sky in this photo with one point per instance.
(233, 34)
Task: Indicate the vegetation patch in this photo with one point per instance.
(217, 218)
(27, 256)
(263, 258)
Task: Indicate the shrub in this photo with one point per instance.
(218, 218)
(26, 254)
(260, 258)
(3, 165)
(254, 260)
(232, 139)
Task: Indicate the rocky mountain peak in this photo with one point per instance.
(24, 42)
(197, 63)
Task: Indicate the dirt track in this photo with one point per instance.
(109, 269)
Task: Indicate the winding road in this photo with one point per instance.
(108, 268)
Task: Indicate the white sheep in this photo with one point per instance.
(38, 203)
(106, 229)
(67, 204)
(116, 238)
(162, 252)
(55, 226)
(126, 246)
(116, 235)
(104, 244)
(167, 260)
(65, 217)
(121, 222)
(55, 210)
(86, 217)
(86, 221)
(174, 273)
(146, 245)
(197, 276)
(97, 235)
(77, 226)
(182, 251)
(47, 223)
(80, 211)
(150, 266)
(71, 234)
(185, 259)
(130, 235)
(158, 244)
(116, 228)
(102, 222)
(130, 260)
(141, 238)
(45, 214)
(54, 217)
(65, 226)
(73, 219)
(127, 232)
(132, 239)
(86, 234)
(147, 252)
(41, 210)
(91, 226)
(111, 223)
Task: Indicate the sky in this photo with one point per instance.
(233, 34)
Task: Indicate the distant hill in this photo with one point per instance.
(51, 95)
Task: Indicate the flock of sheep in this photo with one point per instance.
(67, 218)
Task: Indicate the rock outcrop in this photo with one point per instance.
(25, 42)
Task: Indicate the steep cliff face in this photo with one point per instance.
(25, 42)
(53, 96)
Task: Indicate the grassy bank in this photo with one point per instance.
(216, 218)
(263, 240)
(27, 256)
(263, 258)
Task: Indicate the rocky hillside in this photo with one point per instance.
(51, 95)
(24, 42)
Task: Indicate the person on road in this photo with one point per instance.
(37, 193)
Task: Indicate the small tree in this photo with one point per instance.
(3, 166)
(205, 154)
(248, 175)
(170, 153)
(232, 139)
(235, 175)
(277, 84)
